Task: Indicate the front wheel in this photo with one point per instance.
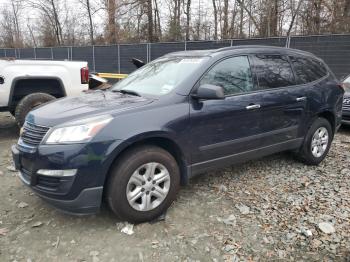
(317, 142)
(143, 184)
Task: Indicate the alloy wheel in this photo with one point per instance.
(319, 142)
(148, 186)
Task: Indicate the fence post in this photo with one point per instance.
(68, 53)
(34, 53)
(93, 58)
(118, 51)
(71, 53)
(146, 53)
(231, 42)
(51, 53)
(149, 52)
(5, 52)
(185, 45)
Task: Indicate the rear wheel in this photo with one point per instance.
(28, 103)
(317, 142)
(143, 184)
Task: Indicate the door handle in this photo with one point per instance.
(302, 98)
(250, 107)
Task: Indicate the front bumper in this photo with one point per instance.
(78, 194)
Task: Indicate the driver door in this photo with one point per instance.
(223, 129)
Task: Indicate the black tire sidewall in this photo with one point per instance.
(28, 103)
(121, 173)
(307, 155)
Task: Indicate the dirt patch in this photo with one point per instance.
(271, 209)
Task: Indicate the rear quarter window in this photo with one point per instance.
(307, 69)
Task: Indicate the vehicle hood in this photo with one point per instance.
(84, 106)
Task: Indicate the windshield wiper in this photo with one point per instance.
(126, 91)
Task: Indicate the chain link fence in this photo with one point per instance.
(333, 49)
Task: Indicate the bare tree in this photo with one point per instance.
(49, 10)
(89, 11)
(215, 20)
(294, 14)
(111, 25)
(188, 19)
(225, 30)
(149, 7)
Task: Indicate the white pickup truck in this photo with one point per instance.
(25, 84)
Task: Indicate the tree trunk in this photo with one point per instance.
(58, 27)
(215, 21)
(241, 20)
(317, 17)
(293, 18)
(233, 21)
(225, 28)
(188, 19)
(256, 24)
(274, 18)
(150, 21)
(158, 27)
(90, 22)
(111, 27)
(18, 42)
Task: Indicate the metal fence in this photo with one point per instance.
(334, 49)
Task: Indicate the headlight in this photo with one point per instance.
(78, 131)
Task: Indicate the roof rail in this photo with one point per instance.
(247, 46)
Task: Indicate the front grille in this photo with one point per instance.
(32, 134)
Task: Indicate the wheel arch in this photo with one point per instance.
(161, 140)
(330, 117)
(23, 86)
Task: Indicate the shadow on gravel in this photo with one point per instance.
(8, 127)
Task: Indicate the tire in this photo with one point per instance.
(28, 103)
(121, 181)
(306, 154)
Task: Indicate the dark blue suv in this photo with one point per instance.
(178, 116)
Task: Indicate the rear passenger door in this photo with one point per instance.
(284, 103)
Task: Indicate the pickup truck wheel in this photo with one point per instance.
(28, 103)
(317, 142)
(143, 184)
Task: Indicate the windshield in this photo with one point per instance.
(160, 76)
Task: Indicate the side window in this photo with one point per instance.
(307, 69)
(273, 71)
(232, 74)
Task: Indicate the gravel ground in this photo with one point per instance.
(271, 209)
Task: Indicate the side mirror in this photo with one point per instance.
(208, 91)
